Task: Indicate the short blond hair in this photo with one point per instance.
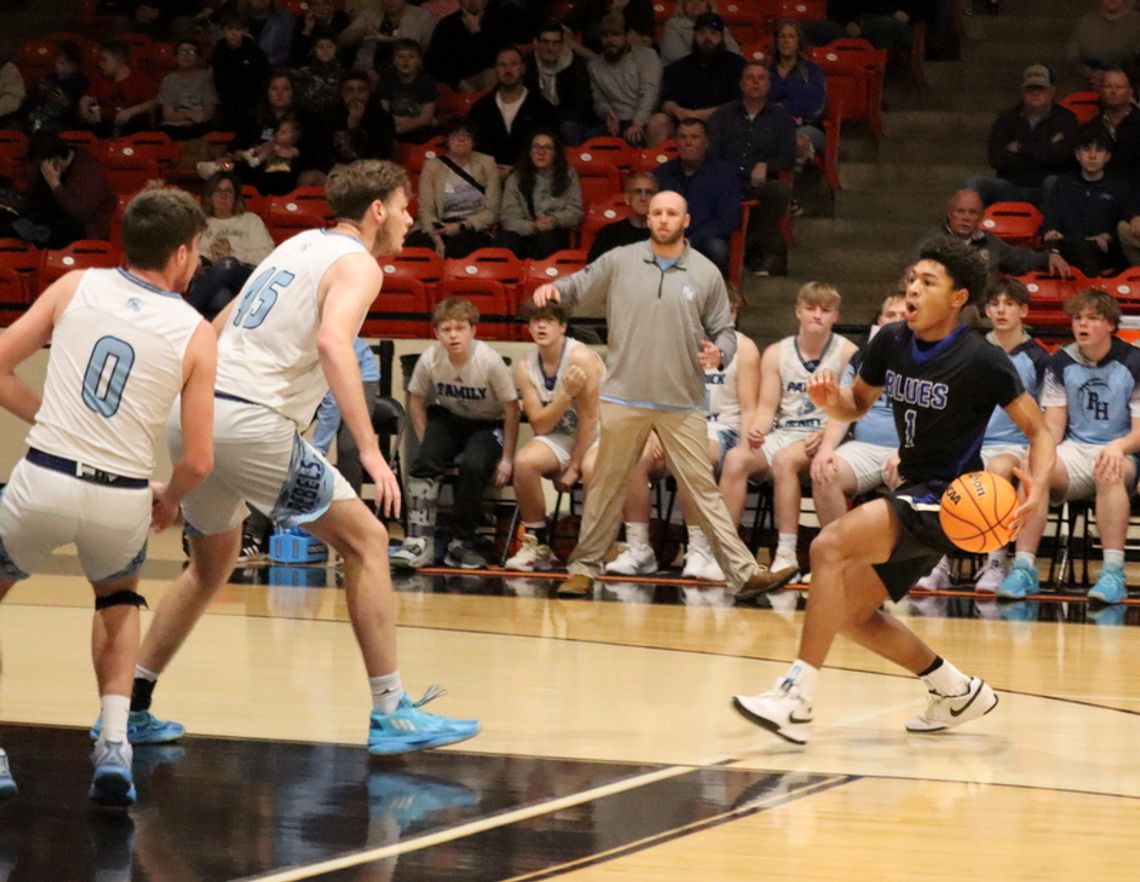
(454, 309)
(818, 294)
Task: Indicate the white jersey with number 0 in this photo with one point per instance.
(267, 352)
(114, 371)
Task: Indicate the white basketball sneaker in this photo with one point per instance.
(784, 710)
(635, 560)
(531, 556)
(991, 576)
(949, 711)
(700, 564)
(938, 579)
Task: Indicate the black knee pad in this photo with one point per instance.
(120, 598)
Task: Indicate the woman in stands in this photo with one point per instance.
(677, 38)
(459, 196)
(542, 200)
(800, 86)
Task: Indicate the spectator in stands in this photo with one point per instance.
(330, 426)
(463, 47)
(1104, 39)
(963, 220)
(121, 99)
(587, 17)
(542, 200)
(241, 71)
(558, 74)
(71, 197)
(459, 198)
(277, 104)
(322, 18)
(696, 85)
(787, 429)
(273, 167)
(462, 403)
(559, 383)
(505, 117)
(363, 129)
(710, 187)
(234, 242)
(799, 86)
(372, 34)
(759, 138)
(1030, 144)
(1091, 400)
(640, 188)
(870, 459)
(272, 27)
(319, 82)
(625, 80)
(147, 20)
(409, 94)
(53, 105)
(1120, 122)
(1085, 207)
(677, 36)
(187, 95)
(12, 88)
(883, 23)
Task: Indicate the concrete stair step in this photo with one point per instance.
(992, 76)
(920, 206)
(1013, 26)
(906, 176)
(1022, 50)
(847, 232)
(840, 265)
(949, 98)
(936, 124)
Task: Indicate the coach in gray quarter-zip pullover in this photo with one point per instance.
(657, 314)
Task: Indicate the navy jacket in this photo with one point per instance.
(1081, 208)
(769, 137)
(713, 194)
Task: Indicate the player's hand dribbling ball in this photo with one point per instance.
(977, 510)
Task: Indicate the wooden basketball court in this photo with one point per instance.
(609, 750)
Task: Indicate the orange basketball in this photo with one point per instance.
(976, 511)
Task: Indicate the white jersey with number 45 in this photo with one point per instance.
(114, 370)
(267, 351)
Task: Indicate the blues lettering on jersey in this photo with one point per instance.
(1098, 396)
(942, 395)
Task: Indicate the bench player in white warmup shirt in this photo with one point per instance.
(283, 342)
(124, 345)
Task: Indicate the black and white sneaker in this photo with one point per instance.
(783, 710)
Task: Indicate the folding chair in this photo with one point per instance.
(84, 254)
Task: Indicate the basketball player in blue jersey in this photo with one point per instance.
(283, 342)
(124, 345)
(1091, 399)
(944, 381)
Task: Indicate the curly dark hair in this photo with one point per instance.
(963, 264)
(560, 167)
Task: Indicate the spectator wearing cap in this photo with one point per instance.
(625, 80)
(1030, 144)
(1120, 122)
(1104, 39)
(702, 81)
(677, 35)
(710, 187)
(560, 75)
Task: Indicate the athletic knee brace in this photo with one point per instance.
(119, 598)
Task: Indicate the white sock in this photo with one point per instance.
(804, 676)
(116, 709)
(637, 535)
(786, 544)
(997, 557)
(1026, 559)
(1114, 557)
(142, 673)
(947, 680)
(698, 539)
(386, 692)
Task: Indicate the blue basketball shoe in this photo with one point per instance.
(112, 785)
(8, 787)
(1019, 583)
(409, 729)
(143, 727)
(1110, 586)
(408, 797)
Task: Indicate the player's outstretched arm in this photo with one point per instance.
(199, 367)
(846, 403)
(347, 290)
(27, 335)
(1034, 485)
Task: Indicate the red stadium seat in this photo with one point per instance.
(1047, 296)
(803, 10)
(13, 300)
(84, 254)
(401, 309)
(21, 258)
(736, 243)
(1014, 222)
(84, 139)
(836, 56)
(494, 302)
(648, 158)
(413, 156)
(607, 148)
(498, 264)
(1085, 105)
(598, 179)
(456, 104)
(421, 264)
(599, 215)
(306, 208)
(745, 19)
(559, 264)
(13, 144)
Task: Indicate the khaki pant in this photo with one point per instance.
(684, 439)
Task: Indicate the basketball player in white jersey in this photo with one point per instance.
(559, 382)
(124, 345)
(282, 343)
(786, 431)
